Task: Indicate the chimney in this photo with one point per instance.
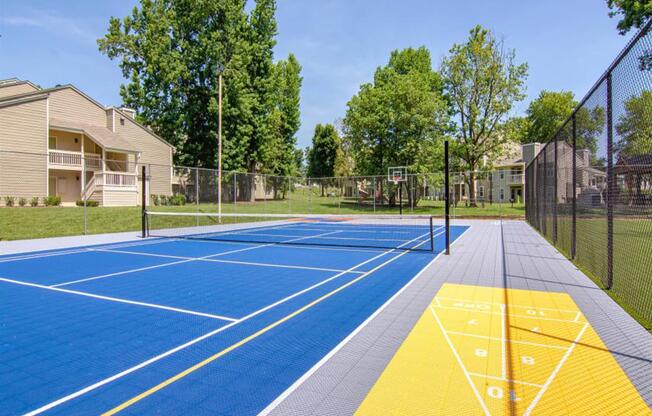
(128, 111)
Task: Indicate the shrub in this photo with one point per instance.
(9, 201)
(89, 203)
(52, 201)
(156, 200)
(34, 201)
(164, 199)
(22, 201)
(177, 200)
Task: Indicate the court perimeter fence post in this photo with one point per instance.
(144, 201)
(447, 200)
(574, 180)
(611, 182)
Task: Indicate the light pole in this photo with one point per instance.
(220, 71)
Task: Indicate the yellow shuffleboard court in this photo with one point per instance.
(480, 350)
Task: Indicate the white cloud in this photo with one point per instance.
(57, 25)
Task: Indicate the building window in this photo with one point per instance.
(122, 121)
(481, 192)
(502, 174)
(502, 194)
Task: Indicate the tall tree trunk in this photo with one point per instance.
(472, 202)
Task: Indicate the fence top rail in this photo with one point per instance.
(642, 32)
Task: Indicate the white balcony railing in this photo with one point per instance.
(516, 179)
(93, 161)
(115, 179)
(69, 159)
(65, 158)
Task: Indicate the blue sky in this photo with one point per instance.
(339, 43)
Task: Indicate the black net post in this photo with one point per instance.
(144, 202)
(432, 237)
(611, 182)
(447, 199)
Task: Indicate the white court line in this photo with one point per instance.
(510, 305)
(278, 266)
(503, 344)
(38, 256)
(88, 279)
(297, 246)
(119, 300)
(182, 260)
(509, 314)
(555, 371)
(503, 379)
(461, 364)
(78, 250)
(371, 230)
(139, 253)
(267, 410)
(199, 339)
(511, 341)
(577, 317)
(210, 259)
(325, 238)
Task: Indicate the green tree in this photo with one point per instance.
(261, 70)
(171, 52)
(634, 13)
(547, 113)
(517, 129)
(483, 82)
(322, 156)
(400, 118)
(635, 126)
(279, 151)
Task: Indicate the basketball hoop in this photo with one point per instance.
(397, 174)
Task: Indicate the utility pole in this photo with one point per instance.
(219, 144)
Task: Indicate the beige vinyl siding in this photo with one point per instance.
(16, 89)
(23, 129)
(66, 140)
(68, 104)
(118, 198)
(154, 152)
(97, 196)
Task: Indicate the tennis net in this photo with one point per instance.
(407, 232)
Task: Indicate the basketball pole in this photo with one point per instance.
(400, 197)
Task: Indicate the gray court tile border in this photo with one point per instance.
(492, 253)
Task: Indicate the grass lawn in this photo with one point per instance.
(632, 276)
(25, 222)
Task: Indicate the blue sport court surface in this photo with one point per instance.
(185, 326)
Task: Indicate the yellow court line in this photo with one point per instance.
(244, 341)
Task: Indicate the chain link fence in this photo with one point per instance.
(65, 193)
(589, 190)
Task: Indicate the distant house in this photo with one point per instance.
(504, 182)
(634, 176)
(61, 142)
